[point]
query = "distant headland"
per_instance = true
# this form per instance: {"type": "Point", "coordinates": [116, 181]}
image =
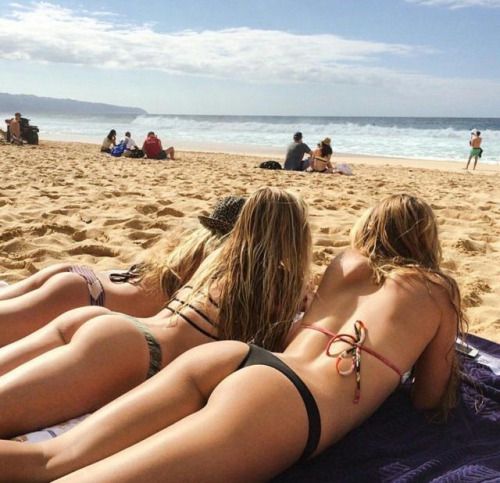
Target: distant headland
{"type": "Point", "coordinates": [48, 105]}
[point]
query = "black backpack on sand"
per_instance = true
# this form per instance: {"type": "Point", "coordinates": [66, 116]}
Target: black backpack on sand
{"type": "Point", "coordinates": [270, 165]}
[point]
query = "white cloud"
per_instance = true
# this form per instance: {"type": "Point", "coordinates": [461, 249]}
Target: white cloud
{"type": "Point", "coordinates": [45, 32]}
{"type": "Point", "coordinates": [454, 4]}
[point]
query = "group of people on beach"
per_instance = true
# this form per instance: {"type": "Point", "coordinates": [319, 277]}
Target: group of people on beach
{"type": "Point", "coordinates": [197, 362]}
{"type": "Point", "coordinates": [151, 148]}
{"type": "Point", "coordinates": [319, 160]}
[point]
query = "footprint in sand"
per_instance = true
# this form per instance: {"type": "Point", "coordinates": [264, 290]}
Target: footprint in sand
{"type": "Point", "coordinates": [171, 212]}
{"type": "Point", "coordinates": [135, 224]}
{"type": "Point", "coordinates": [147, 209]}
{"type": "Point", "coordinates": [79, 236]}
{"type": "Point", "coordinates": [468, 246]}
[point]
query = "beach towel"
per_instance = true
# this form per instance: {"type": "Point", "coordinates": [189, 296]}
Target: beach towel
{"type": "Point", "coordinates": [397, 444]}
{"type": "Point", "coordinates": [343, 168]}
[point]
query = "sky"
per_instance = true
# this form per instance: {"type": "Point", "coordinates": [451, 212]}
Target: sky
{"type": "Point", "coordinates": [259, 57]}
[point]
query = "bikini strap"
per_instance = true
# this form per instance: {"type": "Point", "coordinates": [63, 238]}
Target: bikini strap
{"type": "Point", "coordinates": [191, 323]}
{"type": "Point", "coordinates": [355, 342]}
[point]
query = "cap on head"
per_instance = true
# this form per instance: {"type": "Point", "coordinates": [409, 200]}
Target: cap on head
{"type": "Point", "coordinates": [224, 215]}
{"type": "Point", "coordinates": [327, 141]}
{"type": "Point", "coordinates": [297, 136]}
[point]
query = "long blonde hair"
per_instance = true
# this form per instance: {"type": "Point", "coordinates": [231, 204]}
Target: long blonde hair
{"type": "Point", "coordinates": [400, 235]}
{"type": "Point", "coordinates": [260, 272]}
{"type": "Point", "coordinates": [175, 260]}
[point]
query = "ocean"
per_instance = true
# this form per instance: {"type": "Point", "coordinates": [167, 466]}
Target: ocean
{"type": "Point", "coordinates": [409, 137]}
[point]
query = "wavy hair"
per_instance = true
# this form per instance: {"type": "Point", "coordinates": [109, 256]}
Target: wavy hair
{"type": "Point", "coordinates": [260, 273]}
{"type": "Point", "coordinates": [400, 235]}
{"type": "Point", "coordinates": [173, 262]}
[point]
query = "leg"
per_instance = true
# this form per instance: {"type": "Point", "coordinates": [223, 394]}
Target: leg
{"type": "Point", "coordinates": [170, 152]}
{"type": "Point", "coordinates": [23, 314]}
{"type": "Point", "coordinates": [54, 334]}
{"type": "Point", "coordinates": [33, 281]}
{"type": "Point", "coordinates": [106, 357]}
{"type": "Point", "coordinates": [253, 427]}
{"type": "Point", "coordinates": [475, 162]}
{"type": "Point", "coordinates": [175, 392]}
{"type": "Point", "coordinates": [468, 162]}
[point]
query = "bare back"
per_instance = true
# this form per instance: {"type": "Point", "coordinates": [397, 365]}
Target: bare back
{"type": "Point", "coordinates": [402, 316]}
{"type": "Point", "coordinates": [475, 142]}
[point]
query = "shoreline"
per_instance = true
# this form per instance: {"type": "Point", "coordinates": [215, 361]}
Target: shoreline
{"type": "Point", "coordinates": [349, 158]}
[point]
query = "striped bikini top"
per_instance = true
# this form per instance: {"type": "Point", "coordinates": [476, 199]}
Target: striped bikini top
{"type": "Point", "coordinates": [355, 342]}
{"type": "Point", "coordinates": [191, 322]}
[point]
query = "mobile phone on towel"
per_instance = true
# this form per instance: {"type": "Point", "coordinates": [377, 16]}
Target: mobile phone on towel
{"type": "Point", "coordinates": [466, 349]}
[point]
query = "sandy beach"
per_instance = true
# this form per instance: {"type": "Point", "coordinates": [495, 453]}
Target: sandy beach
{"type": "Point", "coordinates": [66, 201]}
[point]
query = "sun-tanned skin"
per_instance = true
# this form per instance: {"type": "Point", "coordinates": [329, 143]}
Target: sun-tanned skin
{"type": "Point", "coordinates": [251, 424]}
{"type": "Point", "coordinates": [89, 356]}
{"type": "Point", "coordinates": [30, 304]}
{"type": "Point", "coordinates": [69, 367]}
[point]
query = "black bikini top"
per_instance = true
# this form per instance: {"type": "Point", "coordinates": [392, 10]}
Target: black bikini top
{"type": "Point", "coordinates": [198, 311]}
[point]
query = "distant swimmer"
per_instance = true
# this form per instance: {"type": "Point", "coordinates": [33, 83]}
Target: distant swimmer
{"type": "Point", "coordinates": [476, 150]}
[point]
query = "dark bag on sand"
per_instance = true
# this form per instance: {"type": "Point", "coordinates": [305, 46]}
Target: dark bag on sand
{"type": "Point", "coordinates": [270, 165]}
{"type": "Point", "coordinates": [136, 153]}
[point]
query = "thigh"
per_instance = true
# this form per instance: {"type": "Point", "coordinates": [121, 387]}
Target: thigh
{"type": "Point", "coordinates": [54, 334]}
{"type": "Point", "coordinates": [182, 388]}
{"type": "Point", "coordinates": [253, 427]}
{"type": "Point", "coordinates": [33, 281]}
{"type": "Point", "coordinates": [22, 315]}
{"type": "Point", "coordinates": [106, 357]}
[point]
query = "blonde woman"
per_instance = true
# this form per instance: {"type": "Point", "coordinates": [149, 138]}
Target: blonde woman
{"type": "Point", "coordinates": [72, 367]}
{"type": "Point", "coordinates": [233, 412]}
{"type": "Point", "coordinates": [141, 291]}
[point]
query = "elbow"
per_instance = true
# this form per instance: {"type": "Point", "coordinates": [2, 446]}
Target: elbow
{"type": "Point", "coordinates": [425, 402]}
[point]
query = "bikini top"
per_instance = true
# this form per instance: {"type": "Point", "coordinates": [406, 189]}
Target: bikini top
{"type": "Point", "coordinates": [354, 352]}
{"type": "Point", "coordinates": [191, 322]}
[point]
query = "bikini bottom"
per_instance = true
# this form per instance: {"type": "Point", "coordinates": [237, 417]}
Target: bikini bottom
{"type": "Point", "coordinates": [258, 356]}
{"type": "Point", "coordinates": [96, 290]}
{"type": "Point", "coordinates": [155, 353]}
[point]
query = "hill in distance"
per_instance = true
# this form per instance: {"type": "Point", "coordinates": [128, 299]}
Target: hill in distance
{"type": "Point", "coordinates": [27, 104]}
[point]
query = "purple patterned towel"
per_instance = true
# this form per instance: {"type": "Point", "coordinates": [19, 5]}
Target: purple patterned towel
{"type": "Point", "coordinates": [397, 444]}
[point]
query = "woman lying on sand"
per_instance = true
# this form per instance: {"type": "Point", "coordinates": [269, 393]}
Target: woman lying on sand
{"type": "Point", "coordinates": [235, 412]}
{"type": "Point", "coordinates": [142, 291]}
{"type": "Point", "coordinates": [73, 366]}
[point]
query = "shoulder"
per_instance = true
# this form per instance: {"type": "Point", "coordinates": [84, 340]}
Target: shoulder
{"type": "Point", "coordinates": [348, 267]}
{"type": "Point", "coordinates": [421, 292]}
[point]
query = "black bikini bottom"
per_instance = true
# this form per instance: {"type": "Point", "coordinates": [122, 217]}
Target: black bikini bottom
{"type": "Point", "coordinates": [258, 356]}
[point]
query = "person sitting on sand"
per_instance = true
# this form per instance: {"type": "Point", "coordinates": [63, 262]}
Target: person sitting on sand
{"type": "Point", "coordinates": [476, 150]}
{"type": "Point", "coordinates": [154, 150]}
{"type": "Point", "coordinates": [231, 411]}
{"type": "Point", "coordinates": [141, 291]}
{"type": "Point", "coordinates": [320, 158]}
{"type": "Point", "coordinates": [104, 357]}
{"type": "Point", "coordinates": [109, 142]}
{"type": "Point", "coordinates": [131, 148]}
{"type": "Point", "coordinates": [15, 129]}
{"type": "Point", "coordinates": [295, 153]}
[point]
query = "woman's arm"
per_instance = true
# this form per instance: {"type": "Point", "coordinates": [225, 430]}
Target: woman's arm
{"type": "Point", "coordinates": [433, 368]}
